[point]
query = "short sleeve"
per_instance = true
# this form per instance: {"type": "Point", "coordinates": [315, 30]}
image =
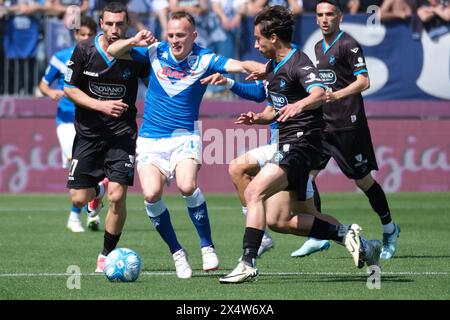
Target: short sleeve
{"type": "Point", "coordinates": [139, 54]}
{"type": "Point", "coordinates": [355, 57]}
{"type": "Point", "coordinates": [307, 74]}
{"type": "Point", "coordinates": [75, 67]}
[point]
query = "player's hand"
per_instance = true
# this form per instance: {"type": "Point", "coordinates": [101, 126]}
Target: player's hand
{"type": "Point", "coordinates": [144, 38]}
{"type": "Point", "coordinates": [289, 111]}
{"type": "Point", "coordinates": [248, 118]}
{"type": "Point", "coordinates": [113, 108]}
{"type": "Point", "coordinates": [330, 96]}
{"type": "Point", "coordinates": [56, 94]}
{"type": "Point", "coordinates": [259, 74]}
{"type": "Point", "coordinates": [215, 79]}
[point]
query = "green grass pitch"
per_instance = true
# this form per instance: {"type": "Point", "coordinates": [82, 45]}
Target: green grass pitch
{"type": "Point", "coordinates": [36, 250]}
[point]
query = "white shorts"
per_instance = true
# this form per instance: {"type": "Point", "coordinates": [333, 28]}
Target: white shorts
{"type": "Point", "coordinates": [165, 153]}
{"type": "Point", "coordinates": [265, 153]}
{"type": "Point", "coordinates": [66, 135]}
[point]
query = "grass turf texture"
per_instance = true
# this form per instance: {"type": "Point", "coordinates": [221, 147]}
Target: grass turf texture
{"type": "Point", "coordinates": [37, 249]}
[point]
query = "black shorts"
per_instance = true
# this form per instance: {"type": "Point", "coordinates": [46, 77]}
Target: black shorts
{"type": "Point", "coordinates": [94, 158]}
{"type": "Point", "coordinates": [298, 159]}
{"type": "Point", "coordinates": [352, 151]}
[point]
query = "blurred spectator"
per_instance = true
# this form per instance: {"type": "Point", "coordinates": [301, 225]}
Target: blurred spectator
{"type": "Point", "coordinates": [228, 16]}
{"type": "Point", "coordinates": [150, 15]}
{"type": "Point", "coordinates": [435, 16]}
{"type": "Point", "coordinates": [198, 9]}
{"type": "Point", "coordinates": [360, 6]}
{"type": "Point", "coordinates": [254, 6]}
{"type": "Point", "coordinates": [397, 9]}
{"type": "Point", "coordinates": [21, 36]}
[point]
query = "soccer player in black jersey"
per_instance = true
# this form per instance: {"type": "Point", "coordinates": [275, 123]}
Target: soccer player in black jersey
{"type": "Point", "coordinates": [347, 139]}
{"type": "Point", "coordinates": [104, 91]}
{"type": "Point", "coordinates": [296, 94]}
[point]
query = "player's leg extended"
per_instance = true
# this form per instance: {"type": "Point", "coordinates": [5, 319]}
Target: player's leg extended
{"type": "Point", "coordinates": [186, 176]}
{"type": "Point", "coordinates": [270, 180]}
{"type": "Point", "coordinates": [378, 201]}
{"type": "Point", "coordinates": [241, 170]}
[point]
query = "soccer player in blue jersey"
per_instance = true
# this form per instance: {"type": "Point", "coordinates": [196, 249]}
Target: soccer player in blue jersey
{"type": "Point", "coordinates": [169, 144]}
{"type": "Point", "coordinates": [65, 114]}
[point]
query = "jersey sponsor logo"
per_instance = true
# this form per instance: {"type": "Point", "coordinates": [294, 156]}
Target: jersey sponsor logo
{"type": "Point", "coordinates": [173, 75]}
{"type": "Point", "coordinates": [278, 100]}
{"type": "Point", "coordinates": [107, 90]}
{"type": "Point", "coordinates": [327, 76]}
{"type": "Point", "coordinates": [89, 73]}
{"type": "Point", "coordinates": [68, 75]}
{"type": "Point", "coordinates": [360, 63]}
{"type": "Point", "coordinates": [354, 50]}
{"type": "Point", "coordinates": [312, 77]}
{"type": "Point", "coordinates": [332, 60]}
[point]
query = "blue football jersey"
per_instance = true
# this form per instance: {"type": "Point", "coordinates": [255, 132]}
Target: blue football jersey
{"type": "Point", "coordinates": [55, 71]}
{"type": "Point", "coordinates": [174, 92]}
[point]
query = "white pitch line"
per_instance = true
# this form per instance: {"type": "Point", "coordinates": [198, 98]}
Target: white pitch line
{"type": "Point", "coordinates": [202, 274]}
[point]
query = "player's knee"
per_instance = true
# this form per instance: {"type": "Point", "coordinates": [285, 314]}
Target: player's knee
{"type": "Point", "coordinates": [152, 195]}
{"type": "Point", "coordinates": [187, 187]}
{"type": "Point", "coordinates": [365, 183]}
{"type": "Point", "coordinates": [78, 198]}
{"type": "Point", "coordinates": [275, 225]}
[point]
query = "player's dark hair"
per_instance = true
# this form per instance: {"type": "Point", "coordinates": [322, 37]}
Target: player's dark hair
{"type": "Point", "coordinates": [276, 20]}
{"type": "Point", "coordinates": [178, 15]}
{"type": "Point", "coordinates": [115, 7]}
{"type": "Point", "coordinates": [89, 23]}
{"type": "Point", "coordinates": [335, 3]}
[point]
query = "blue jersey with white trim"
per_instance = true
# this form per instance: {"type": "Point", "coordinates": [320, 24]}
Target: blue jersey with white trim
{"type": "Point", "coordinates": [339, 62]}
{"type": "Point", "coordinates": [174, 92]}
{"type": "Point", "coordinates": [56, 70]}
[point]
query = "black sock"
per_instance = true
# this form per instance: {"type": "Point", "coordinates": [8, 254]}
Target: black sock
{"type": "Point", "coordinates": [326, 231]}
{"type": "Point", "coordinates": [110, 242]}
{"type": "Point", "coordinates": [97, 190]}
{"type": "Point", "coordinates": [378, 201]}
{"type": "Point", "coordinates": [251, 243]}
{"type": "Point", "coordinates": [317, 202]}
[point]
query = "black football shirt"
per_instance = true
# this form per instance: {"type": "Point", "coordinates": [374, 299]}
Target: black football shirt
{"type": "Point", "coordinates": [288, 82]}
{"type": "Point", "coordinates": [91, 71]}
{"type": "Point", "coordinates": [339, 63]}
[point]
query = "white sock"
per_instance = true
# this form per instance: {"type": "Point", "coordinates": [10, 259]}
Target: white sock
{"type": "Point", "coordinates": [244, 211]}
{"type": "Point", "coordinates": [389, 228]}
{"type": "Point", "coordinates": [74, 216]}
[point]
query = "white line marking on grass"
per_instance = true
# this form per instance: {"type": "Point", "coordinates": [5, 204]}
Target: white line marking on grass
{"type": "Point", "coordinates": [200, 274]}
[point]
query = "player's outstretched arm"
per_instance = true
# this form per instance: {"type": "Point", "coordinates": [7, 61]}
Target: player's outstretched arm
{"type": "Point", "coordinates": [251, 91]}
{"type": "Point", "coordinates": [361, 83]}
{"type": "Point", "coordinates": [250, 118]}
{"type": "Point", "coordinates": [248, 66]}
{"type": "Point", "coordinates": [143, 38]}
{"type": "Point", "coordinates": [112, 108]}
{"type": "Point", "coordinates": [315, 99]}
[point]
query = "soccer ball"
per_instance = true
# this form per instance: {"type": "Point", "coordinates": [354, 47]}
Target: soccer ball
{"type": "Point", "coordinates": [123, 265]}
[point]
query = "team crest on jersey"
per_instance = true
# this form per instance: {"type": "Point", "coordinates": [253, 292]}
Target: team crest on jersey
{"type": "Point", "coordinates": [191, 61]}
{"type": "Point", "coordinates": [126, 74]}
{"type": "Point", "coordinates": [332, 60]}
